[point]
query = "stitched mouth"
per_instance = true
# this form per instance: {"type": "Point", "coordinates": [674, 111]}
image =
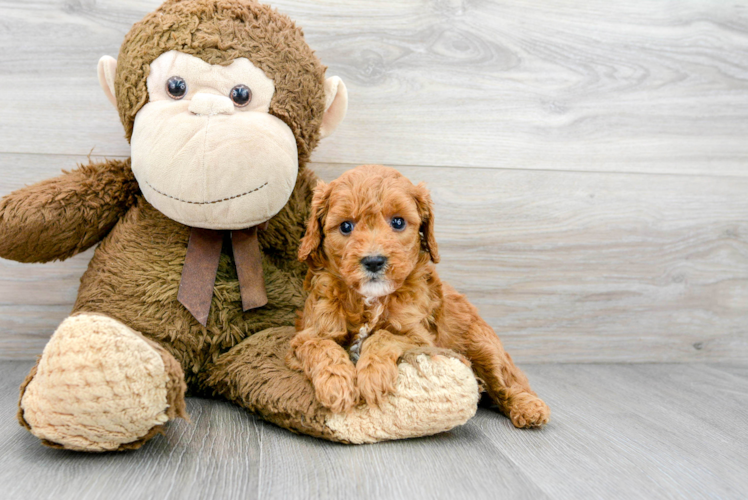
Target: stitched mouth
{"type": "Point", "coordinates": [207, 202]}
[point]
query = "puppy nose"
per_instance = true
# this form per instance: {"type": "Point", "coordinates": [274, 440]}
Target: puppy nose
{"type": "Point", "coordinates": [374, 263]}
{"type": "Point", "coordinates": [210, 104]}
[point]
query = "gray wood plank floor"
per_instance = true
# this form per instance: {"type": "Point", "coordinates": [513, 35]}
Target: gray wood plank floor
{"type": "Point", "coordinates": [618, 431]}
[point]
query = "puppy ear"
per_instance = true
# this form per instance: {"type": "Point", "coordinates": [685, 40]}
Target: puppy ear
{"type": "Point", "coordinates": [311, 243]}
{"type": "Point", "coordinates": [426, 211]}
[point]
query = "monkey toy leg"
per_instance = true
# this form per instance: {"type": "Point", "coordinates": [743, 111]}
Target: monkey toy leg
{"type": "Point", "coordinates": [433, 393]}
{"type": "Point", "coordinates": [100, 386]}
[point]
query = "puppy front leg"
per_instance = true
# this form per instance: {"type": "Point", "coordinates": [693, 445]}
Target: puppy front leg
{"type": "Point", "coordinates": [376, 370]}
{"type": "Point", "coordinates": [505, 383]}
{"type": "Point", "coordinates": [329, 368]}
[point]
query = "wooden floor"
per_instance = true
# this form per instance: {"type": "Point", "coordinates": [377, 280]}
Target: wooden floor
{"type": "Point", "coordinates": [617, 431]}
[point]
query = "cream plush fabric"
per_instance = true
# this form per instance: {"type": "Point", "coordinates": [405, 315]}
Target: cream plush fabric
{"type": "Point", "coordinates": [201, 160]}
{"type": "Point", "coordinates": [437, 395]}
{"type": "Point", "coordinates": [336, 105]}
{"type": "Point", "coordinates": [98, 385]}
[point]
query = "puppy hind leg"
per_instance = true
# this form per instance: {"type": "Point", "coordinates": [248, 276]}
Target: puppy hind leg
{"type": "Point", "coordinates": [506, 384]}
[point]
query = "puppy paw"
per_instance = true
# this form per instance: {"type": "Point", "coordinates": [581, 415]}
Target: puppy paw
{"type": "Point", "coordinates": [529, 411]}
{"type": "Point", "coordinates": [335, 387]}
{"type": "Point", "coordinates": [292, 361]}
{"type": "Point", "coordinates": [376, 380]}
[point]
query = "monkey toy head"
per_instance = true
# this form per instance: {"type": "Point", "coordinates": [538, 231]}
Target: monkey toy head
{"type": "Point", "coordinates": [222, 102]}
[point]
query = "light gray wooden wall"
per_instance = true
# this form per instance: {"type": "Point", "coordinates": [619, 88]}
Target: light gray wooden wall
{"type": "Point", "coordinates": [589, 160]}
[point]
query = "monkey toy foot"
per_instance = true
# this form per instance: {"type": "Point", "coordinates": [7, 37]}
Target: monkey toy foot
{"type": "Point", "coordinates": [100, 386]}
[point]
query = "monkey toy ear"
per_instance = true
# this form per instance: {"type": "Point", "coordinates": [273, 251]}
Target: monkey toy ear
{"type": "Point", "coordinates": [336, 105]}
{"type": "Point", "coordinates": [107, 71]}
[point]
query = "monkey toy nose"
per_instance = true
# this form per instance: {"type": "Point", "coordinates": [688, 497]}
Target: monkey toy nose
{"type": "Point", "coordinates": [374, 263]}
{"type": "Point", "coordinates": [209, 104]}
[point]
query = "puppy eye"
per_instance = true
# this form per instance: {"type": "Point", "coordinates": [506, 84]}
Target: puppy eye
{"type": "Point", "coordinates": [241, 95]}
{"type": "Point", "coordinates": [397, 223]}
{"type": "Point", "coordinates": [176, 87]}
{"type": "Point", "coordinates": [346, 227]}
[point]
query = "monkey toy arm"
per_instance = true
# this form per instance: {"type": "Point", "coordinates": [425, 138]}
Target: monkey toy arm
{"type": "Point", "coordinates": [60, 217]}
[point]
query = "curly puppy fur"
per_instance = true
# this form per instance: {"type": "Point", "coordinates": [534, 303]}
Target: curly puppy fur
{"type": "Point", "coordinates": [388, 311]}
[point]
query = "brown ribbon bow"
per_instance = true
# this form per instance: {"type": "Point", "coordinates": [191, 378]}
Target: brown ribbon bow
{"type": "Point", "coordinates": [201, 266]}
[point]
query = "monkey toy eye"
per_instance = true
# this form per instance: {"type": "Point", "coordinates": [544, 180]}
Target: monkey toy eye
{"type": "Point", "coordinates": [176, 87]}
{"type": "Point", "coordinates": [346, 227]}
{"type": "Point", "coordinates": [241, 95]}
{"type": "Point", "coordinates": [397, 223]}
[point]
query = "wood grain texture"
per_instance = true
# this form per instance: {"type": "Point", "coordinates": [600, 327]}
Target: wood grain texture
{"type": "Point", "coordinates": [565, 266]}
{"type": "Point", "coordinates": [608, 252]}
{"type": "Point", "coordinates": [635, 431]}
{"type": "Point", "coordinates": [593, 86]}
{"type": "Point", "coordinates": [617, 432]}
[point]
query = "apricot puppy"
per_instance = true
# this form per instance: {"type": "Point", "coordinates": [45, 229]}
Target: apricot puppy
{"type": "Point", "coordinates": [374, 294]}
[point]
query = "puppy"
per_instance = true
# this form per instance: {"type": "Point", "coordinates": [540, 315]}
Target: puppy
{"type": "Point", "coordinates": [374, 294]}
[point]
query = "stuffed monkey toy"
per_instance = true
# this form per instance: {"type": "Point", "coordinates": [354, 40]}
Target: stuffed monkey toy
{"type": "Point", "coordinates": [195, 283]}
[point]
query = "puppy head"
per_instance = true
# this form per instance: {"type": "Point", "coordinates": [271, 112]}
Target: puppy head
{"type": "Point", "coordinates": [370, 227]}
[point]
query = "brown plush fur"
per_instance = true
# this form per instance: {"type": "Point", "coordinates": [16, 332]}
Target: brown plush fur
{"type": "Point", "coordinates": [58, 218]}
{"type": "Point", "coordinates": [254, 375]}
{"type": "Point", "coordinates": [135, 272]}
{"type": "Point", "coordinates": [417, 309]}
{"type": "Point", "coordinates": [219, 31]}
